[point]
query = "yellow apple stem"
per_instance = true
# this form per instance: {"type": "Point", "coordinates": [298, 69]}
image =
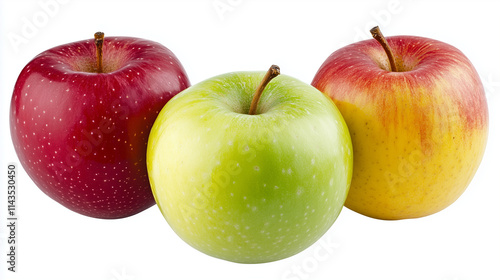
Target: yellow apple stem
{"type": "Point", "coordinates": [273, 72]}
{"type": "Point", "coordinates": [99, 40]}
{"type": "Point", "coordinates": [377, 34]}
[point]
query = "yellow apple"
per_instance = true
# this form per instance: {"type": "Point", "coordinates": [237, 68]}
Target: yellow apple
{"type": "Point", "coordinates": [418, 122]}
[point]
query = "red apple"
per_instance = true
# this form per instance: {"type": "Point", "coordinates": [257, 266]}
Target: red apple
{"type": "Point", "coordinates": [418, 118]}
{"type": "Point", "coordinates": [80, 118]}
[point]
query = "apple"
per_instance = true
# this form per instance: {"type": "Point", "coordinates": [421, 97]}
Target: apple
{"type": "Point", "coordinates": [250, 178]}
{"type": "Point", "coordinates": [418, 119]}
{"type": "Point", "coordinates": [80, 117]}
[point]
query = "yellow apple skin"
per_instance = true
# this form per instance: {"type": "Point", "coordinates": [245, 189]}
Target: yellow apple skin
{"type": "Point", "coordinates": [418, 135]}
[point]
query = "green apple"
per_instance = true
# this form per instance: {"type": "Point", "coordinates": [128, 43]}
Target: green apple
{"type": "Point", "coordinates": [250, 188]}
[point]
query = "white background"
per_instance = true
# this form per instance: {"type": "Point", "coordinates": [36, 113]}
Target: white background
{"type": "Point", "coordinates": [461, 242]}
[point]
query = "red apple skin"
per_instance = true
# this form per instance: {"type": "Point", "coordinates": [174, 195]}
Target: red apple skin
{"type": "Point", "coordinates": [418, 134]}
{"type": "Point", "coordinates": [81, 136]}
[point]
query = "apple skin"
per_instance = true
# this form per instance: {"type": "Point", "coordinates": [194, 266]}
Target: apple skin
{"type": "Point", "coordinates": [81, 136]}
{"type": "Point", "coordinates": [419, 134]}
{"type": "Point", "coordinates": [250, 188]}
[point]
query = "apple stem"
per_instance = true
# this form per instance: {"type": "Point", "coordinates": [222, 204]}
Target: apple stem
{"type": "Point", "coordinates": [99, 40]}
{"type": "Point", "coordinates": [377, 34]}
{"type": "Point", "coordinates": [272, 73]}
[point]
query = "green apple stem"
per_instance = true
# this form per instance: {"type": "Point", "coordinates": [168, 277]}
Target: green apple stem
{"type": "Point", "coordinates": [272, 73]}
{"type": "Point", "coordinates": [377, 34]}
{"type": "Point", "coordinates": [99, 40]}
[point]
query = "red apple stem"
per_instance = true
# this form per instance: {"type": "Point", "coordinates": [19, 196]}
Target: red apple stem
{"type": "Point", "coordinates": [99, 40]}
{"type": "Point", "coordinates": [272, 73]}
{"type": "Point", "coordinates": [377, 34]}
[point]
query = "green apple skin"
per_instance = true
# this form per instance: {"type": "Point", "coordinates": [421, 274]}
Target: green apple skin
{"type": "Point", "coordinates": [250, 188]}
